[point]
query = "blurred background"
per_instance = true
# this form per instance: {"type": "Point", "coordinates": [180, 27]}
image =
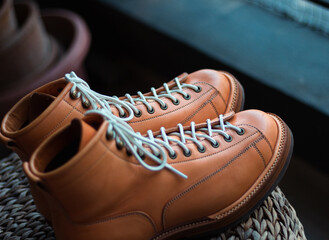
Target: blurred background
{"type": "Point", "coordinates": [278, 50]}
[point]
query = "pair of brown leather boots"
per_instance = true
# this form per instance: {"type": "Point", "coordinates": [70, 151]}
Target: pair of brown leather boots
{"type": "Point", "coordinates": [182, 160]}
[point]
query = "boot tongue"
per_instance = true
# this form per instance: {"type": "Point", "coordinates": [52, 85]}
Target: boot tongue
{"type": "Point", "coordinates": [38, 103]}
{"type": "Point", "coordinates": [87, 132]}
{"type": "Point", "coordinates": [228, 116]}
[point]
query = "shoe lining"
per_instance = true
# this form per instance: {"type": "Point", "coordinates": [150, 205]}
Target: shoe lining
{"type": "Point", "coordinates": [38, 103]}
{"type": "Point", "coordinates": [63, 156]}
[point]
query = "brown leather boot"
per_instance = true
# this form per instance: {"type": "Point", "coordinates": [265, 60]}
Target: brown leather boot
{"type": "Point", "coordinates": [104, 181]}
{"type": "Point", "coordinates": [194, 97]}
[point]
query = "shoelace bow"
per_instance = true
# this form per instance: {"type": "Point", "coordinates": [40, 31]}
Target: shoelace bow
{"type": "Point", "coordinates": [153, 146]}
{"type": "Point", "coordinates": [92, 97]}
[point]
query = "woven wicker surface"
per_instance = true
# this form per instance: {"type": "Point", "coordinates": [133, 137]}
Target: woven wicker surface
{"type": "Point", "coordinates": [19, 219]}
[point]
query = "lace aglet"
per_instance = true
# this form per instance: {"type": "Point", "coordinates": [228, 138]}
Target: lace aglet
{"type": "Point", "coordinates": [176, 171]}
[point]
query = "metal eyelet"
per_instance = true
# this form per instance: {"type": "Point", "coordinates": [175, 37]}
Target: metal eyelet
{"type": "Point", "coordinates": [199, 89]}
{"type": "Point", "coordinates": [74, 94]}
{"type": "Point", "coordinates": [164, 107]}
{"type": "Point", "coordinates": [229, 139]}
{"type": "Point", "coordinates": [172, 156]}
{"type": "Point", "coordinates": [150, 111]}
{"type": "Point", "coordinates": [202, 150]}
{"type": "Point", "coordinates": [128, 152]}
{"type": "Point", "coordinates": [187, 97]}
{"type": "Point", "coordinates": [119, 145]}
{"type": "Point", "coordinates": [86, 104]}
{"type": "Point", "coordinates": [215, 145]}
{"type": "Point", "coordinates": [123, 115]}
{"type": "Point", "coordinates": [109, 135]}
{"type": "Point", "coordinates": [176, 102]}
{"type": "Point", "coordinates": [138, 114]}
{"type": "Point", "coordinates": [241, 132]}
{"type": "Point", "coordinates": [188, 153]}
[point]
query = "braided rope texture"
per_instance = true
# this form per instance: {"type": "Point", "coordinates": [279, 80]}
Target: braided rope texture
{"type": "Point", "coordinates": [19, 219]}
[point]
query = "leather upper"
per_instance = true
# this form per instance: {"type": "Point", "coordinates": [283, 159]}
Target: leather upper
{"type": "Point", "coordinates": [24, 140]}
{"type": "Point", "coordinates": [42, 112]}
{"type": "Point", "coordinates": [103, 193]}
{"type": "Point", "coordinates": [220, 93]}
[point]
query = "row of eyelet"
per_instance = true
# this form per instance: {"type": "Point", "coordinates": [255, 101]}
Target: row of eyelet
{"type": "Point", "coordinates": [165, 106]}
{"type": "Point", "coordinates": [120, 145]}
{"type": "Point", "coordinates": [186, 154]}
{"type": "Point", "coordinates": [214, 145]}
{"type": "Point", "coordinates": [87, 104]}
{"type": "Point", "coordinates": [74, 95]}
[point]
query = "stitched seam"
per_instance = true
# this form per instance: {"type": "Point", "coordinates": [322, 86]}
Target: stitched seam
{"type": "Point", "coordinates": [235, 93]}
{"type": "Point", "coordinates": [125, 214]}
{"type": "Point", "coordinates": [260, 154]}
{"type": "Point", "coordinates": [199, 109]}
{"type": "Point", "coordinates": [195, 223]}
{"type": "Point", "coordinates": [74, 106]}
{"type": "Point", "coordinates": [212, 104]}
{"type": "Point", "coordinates": [95, 162]}
{"type": "Point", "coordinates": [205, 179]}
{"type": "Point", "coordinates": [194, 159]}
{"type": "Point", "coordinates": [217, 152]}
{"type": "Point", "coordinates": [108, 219]}
{"type": "Point", "coordinates": [277, 158]}
{"type": "Point", "coordinates": [59, 123]}
{"type": "Point", "coordinates": [220, 95]}
{"type": "Point", "coordinates": [60, 203]}
{"type": "Point", "coordinates": [182, 227]}
{"type": "Point", "coordinates": [267, 141]}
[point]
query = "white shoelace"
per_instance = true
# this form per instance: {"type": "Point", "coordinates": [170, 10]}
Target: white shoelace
{"type": "Point", "coordinates": [122, 133]}
{"type": "Point", "coordinates": [99, 100]}
{"type": "Point", "coordinates": [96, 100]}
{"type": "Point", "coordinates": [194, 135]}
{"type": "Point", "coordinates": [166, 93]}
{"type": "Point", "coordinates": [154, 147]}
{"type": "Point", "coordinates": [135, 143]}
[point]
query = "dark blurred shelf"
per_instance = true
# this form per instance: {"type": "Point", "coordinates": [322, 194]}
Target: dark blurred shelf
{"type": "Point", "coordinates": [274, 50]}
{"type": "Point", "coordinates": [324, 3]}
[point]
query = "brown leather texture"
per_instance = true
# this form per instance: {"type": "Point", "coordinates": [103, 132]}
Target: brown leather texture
{"type": "Point", "coordinates": [24, 140]}
{"type": "Point", "coordinates": [220, 93]}
{"type": "Point", "coordinates": [100, 192]}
